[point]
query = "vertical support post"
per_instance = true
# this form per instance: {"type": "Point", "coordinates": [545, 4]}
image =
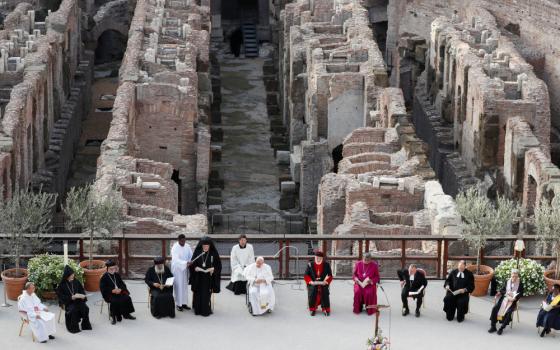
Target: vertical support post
{"type": "Point", "coordinates": [288, 259]}
{"type": "Point", "coordinates": [120, 257]}
{"type": "Point", "coordinates": [481, 256]}
{"type": "Point", "coordinates": [360, 246]}
{"type": "Point", "coordinates": [280, 258]}
{"type": "Point", "coordinates": [163, 249]}
{"type": "Point", "coordinates": [403, 253]}
{"type": "Point", "coordinates": [126, 255]}
{"type": "Point", "coordinates": [81, 249]}
{"type": "Point", "coordinates": [445, 256]}
{"type": "Point", "coordinates": [324, 246]}
{"type": "Point", "coordinates": [438, 272]}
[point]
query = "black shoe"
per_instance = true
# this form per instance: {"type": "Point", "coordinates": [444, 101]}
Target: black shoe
{"type": "Point", "coordinates": [312, 313]}
{"type": "Point", "coordinates": [51, 337]}
{"type": "Point", "coordinates": [43, 342]}
{"type": "Point", "coordinates": [172, 316]}
{"type": "Point", "coordinates": [113, 320]}
{"type": "Point", "coordinates": [460, 319]}
{"type": "Point", "coordinates": [492, 329]}
{"type": "Point", "coordinates": [180, 308]}
{"type": "Point", "coordinates": [129, 317]}
{"type": "Point", "coordinates": [500, 331]}
{"type": "Point", "coordinates": [119, 318]}
{"type": "Point", "coordinates": [405, 312]}
{"type": "Point", "coordinates": [185, 307]}
{"type": "Point", "coordinates": [158, 317]}
{"type": "Point", "coordinates": [543, 333]}
{"type": "Point", "coordinates": [327, 313]}
{"type": "Point", "coordinates": [417, 313]}
{"type": "Point", "coordinates": [547, 331]}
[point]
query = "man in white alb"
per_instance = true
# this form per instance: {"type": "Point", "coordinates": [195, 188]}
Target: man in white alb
{"type": "Point", "coordinates": [242, 255]}
{"type": "Point", "coordinates": [181, 255]}
{"type": "Point", "coordinates": [261, 294]}
{"type": "Point", "coordinates": [40, 319]}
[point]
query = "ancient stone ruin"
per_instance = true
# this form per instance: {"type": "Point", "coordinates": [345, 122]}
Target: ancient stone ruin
{"type": "Point", "coordinates": [344, 117]}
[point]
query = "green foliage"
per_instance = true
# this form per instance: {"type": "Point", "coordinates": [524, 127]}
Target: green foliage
{"type": "Point", "coordinates": [25, 218]}
{"type": "Point", "coordinates": [547, 224]}
{"type": "Point", "coordinates": [96, 215]}
{"type": "Point", "coordinates": [482, 218]}
{"type": "Point", "coordinates": [531, 274]}
{"type": "Point", "coordinates": [46, 271]}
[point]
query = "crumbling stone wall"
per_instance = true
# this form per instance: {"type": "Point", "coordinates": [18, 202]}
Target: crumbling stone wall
{"type": "Point", "coordinates": [46, 80]}
{"type": "Point", "coordinates": [160, 120]}
{"type": "Point", "coordinates": [331, 71]}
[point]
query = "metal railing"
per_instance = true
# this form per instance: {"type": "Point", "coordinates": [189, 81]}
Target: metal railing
{"type": "Point", "coordinates": [263, 223]}
{"type": "Point", "coordinates": [286, 260]}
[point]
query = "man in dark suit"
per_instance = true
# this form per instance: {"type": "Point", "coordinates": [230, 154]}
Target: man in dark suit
{"type": "Point", "coordinates": [413, 283]}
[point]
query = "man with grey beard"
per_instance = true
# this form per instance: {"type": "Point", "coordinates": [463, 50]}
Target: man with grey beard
{"type": "Point", "coordinates": [158, 280]}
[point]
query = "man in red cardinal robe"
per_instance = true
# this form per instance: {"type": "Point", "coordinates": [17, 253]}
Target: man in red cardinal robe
{"type": "Point", "coordinates": [318, 277]}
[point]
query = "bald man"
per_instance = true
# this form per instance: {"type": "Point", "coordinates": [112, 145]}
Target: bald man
{"type": "Point", "coordinates": [261, 294]}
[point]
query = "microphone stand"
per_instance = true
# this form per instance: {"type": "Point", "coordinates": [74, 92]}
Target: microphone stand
{"type": "Point", "coordinates": [298, 283]}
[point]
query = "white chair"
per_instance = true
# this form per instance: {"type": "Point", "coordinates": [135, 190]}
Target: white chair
{"type": "Point", "coordinates": [24, 322]}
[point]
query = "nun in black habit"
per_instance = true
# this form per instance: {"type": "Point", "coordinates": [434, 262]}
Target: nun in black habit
{"type": "Point", "coordinates": [114, 291]}
{"type": "Point", "coordinates": [205, 275]}
{"type": "Point", "coordinates": [71, 295]}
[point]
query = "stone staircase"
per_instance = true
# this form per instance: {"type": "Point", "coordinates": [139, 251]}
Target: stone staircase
{"type": "Point", "coordinates": [250, 41]}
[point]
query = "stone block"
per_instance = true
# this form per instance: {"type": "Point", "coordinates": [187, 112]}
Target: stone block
{"type": "Point", "coordinates": [288, 187]}
{"type": "Point", "coordinates": [283, 157]}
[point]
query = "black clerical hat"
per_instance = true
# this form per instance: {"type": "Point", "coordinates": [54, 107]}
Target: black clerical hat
{"type": "Point", "coordinates": [110, 263]}
{"type": "Point", "coordinates": [159, 260]}
{"type": "Point", "coordinates": [319, 253]}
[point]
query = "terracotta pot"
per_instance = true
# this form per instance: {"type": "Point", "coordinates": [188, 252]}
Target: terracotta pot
{"type": "Point", "coordinates": [49, 295]}
{"type": "Point", "coordinates": [14, 285]}
{"type": "Point", "coordinates": [482, 281]}
{"type": "Point", "coordinates": [549, 279]}
{"type": "Point", "coordinates": [93, 276]}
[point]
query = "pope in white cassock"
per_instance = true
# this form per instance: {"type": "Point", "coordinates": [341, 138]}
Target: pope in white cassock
{"type": "Point", "coordinates": [242, 255]}
{"type": "Point", "coordinates": [261, 294]}
{"type": "Point", "coordinates": [181, 255]}
{"type": "Point", "coordinates": [41, 321]}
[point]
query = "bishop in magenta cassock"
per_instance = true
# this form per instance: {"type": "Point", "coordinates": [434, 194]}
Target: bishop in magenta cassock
{"type": "Point", "coordinates": [318, 277]}
{"type": "Point", "coordinates": [366, 278]}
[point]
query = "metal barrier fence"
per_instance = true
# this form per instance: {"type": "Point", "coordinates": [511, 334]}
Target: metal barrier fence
{"type": "Point", "coordinates": [286, 261]}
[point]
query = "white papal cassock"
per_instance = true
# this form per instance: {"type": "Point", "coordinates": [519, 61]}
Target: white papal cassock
{"type": "Point", "coordinates": [240, 258]}
{"type": "Point", "coordinates": [261, 296]}
{"type": "Point", "coordinates": [32, 306]}
{"type": "Point", "coordinates": [180, 257]}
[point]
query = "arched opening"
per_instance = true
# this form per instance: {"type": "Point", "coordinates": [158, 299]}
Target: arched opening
{"type": "Point", "coordinates": [337, 157]}
{"type": "Point", "coordinates": [111, 46]}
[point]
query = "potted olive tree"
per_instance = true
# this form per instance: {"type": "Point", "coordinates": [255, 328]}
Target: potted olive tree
{"type": "Point", "coordinates": [481, 219]}
{"type": "Point", "coordinates": [547, 226]}
{"type": "Point", "coordinates": [24, 220]}
{"type": "Point", "coordinates": [98, 216]}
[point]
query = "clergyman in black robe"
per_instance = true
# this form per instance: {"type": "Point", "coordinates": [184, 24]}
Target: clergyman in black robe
{"type": "Point", "coordinates": [205, 274]}
{"type": "Point", "coordinates": [162, 303]}
{"type": "Point", "coordinates": [114, 291]}
{"type": "Point", "coordinates": [71, 295]}
{"type": "Point", "coordinates": [508, 297]}
{"type": "Point", "coordinates": [318, 276]}
{"type": "Point", "coordinates": [460, 281]}
{"type": "Point", "coordinates": [413, 281]}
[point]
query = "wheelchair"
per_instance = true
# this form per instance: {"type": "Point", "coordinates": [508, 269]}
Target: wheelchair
{"type": "Point", "coordinates": [249, 305]}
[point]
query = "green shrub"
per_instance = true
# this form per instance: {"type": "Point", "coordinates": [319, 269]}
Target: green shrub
{"type": "Point", "coordinates": [46, 271]}
{"type": "Point", "coordinates": [531, 274]}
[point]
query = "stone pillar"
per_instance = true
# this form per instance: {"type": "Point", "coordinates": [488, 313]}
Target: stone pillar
{"type": "Point", "coordinates": [216, 11]}
{"type": "Point", "coordinates": [316, 161]}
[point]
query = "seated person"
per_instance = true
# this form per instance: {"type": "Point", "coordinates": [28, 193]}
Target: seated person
{"type": "Point", "coordinates": [162, 303]}
{"type": "Point", "coordinates": [508, 296]}
{"type": "Point", "coordinates": [114, 291]}
{"type": "Point", "coordinates": [242, 255]}
{"type": "Point", "coordinates": [413, 283]}
{"type": "Point", "coordinates": [458, 284]}
{"type": "Point", "coordinates": [261, 294]}
{"type": "Point", "coordinates": [318, 276]}
{"type": "Point", "coordinates": [366, 278]}
{"type": "Point", "coordinates": [549, 315]}
{"type": "Point", "coordinates": [71, 294]}
{"type": "Point", "coordinates": [41, 321]}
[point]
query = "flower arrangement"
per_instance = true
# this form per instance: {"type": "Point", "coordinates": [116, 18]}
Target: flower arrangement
{"type": "Point", "coordinates": [46, 272]}
{"type": "Point", "coordinates": [531, 274]}
{"type": "Point", "coordinates": [379, 342]}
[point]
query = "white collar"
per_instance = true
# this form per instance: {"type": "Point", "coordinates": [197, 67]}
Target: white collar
{"type": "Point", "coordinates": [461, 274]}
